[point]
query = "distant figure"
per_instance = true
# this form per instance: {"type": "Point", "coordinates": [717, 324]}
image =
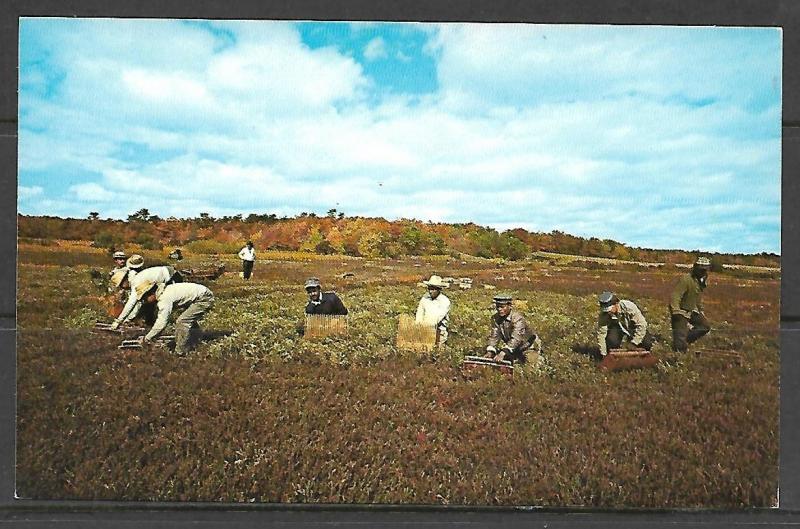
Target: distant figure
{"type": "Point", "coordinates": [119, 262]}
{"type": "Point", "coordinates": [320, 302]}
{"type": "Point", "coordinates": [176, 254]}
{"type": "Point", "coordinates": [509, 326]}
{"type": "Point", "coordinates": [248, 256]}
{"type": "Point", "coordinates": [621, 325]}
{"type": "Point", "coordinates": [434, 308]}
{"type": "Point", "coordinates": [157, 275]}
{"type": "Point", "coordinates": [195, 299]}
{"type": "Point", "coordinates": [689, 323]}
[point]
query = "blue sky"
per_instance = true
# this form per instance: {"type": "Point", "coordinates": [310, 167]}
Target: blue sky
{"type": "Point", "coordinates": [662, 137]}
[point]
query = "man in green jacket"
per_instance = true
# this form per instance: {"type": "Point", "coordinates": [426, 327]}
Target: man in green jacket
{"type": "Point", "coordinates": [689, 323]}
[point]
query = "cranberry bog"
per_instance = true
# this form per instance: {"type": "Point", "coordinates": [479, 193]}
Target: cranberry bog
{"type": "Point", "coordinates": [262, 415]}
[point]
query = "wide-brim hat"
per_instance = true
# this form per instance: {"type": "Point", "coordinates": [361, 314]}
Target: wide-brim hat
{"type": "Point", "coordinates": [312, 282]}
{"type": "Point", "coordinates": [436, 282]}
{"type": "Point", "coordinates": [143, 288]}
{"type": "Point", "coordinates": [135, 262]}
{"type": "Point", "coordinates": [118, 277]}
{"type": "Point", "coordinates": [703, 262]}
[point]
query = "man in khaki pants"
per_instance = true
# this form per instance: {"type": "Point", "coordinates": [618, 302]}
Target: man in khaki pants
{"type": "Point", "coordinates": [195, 299]}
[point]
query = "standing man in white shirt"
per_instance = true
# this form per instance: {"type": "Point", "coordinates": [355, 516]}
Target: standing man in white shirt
{"type": "Point", "coordinates": [248, 256]}
{"type": "Point", "coordinates": [195, 300]}
{"type": "Point", "coordinates": [434, 308]}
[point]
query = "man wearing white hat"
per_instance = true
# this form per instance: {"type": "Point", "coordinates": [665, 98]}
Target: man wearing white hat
{"type": "Point", "coordinates": [434, 308]}
{"type": "Point", "coordinates": [195, 300]}
{"type": "Point", "coordinates": [689, 323]}
{"type": "Point", "coordinates": [134, 278]}
{"type": "Point", "coordinates": [119, 262]}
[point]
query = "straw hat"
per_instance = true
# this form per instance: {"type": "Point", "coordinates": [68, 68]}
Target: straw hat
{"type": "Point", "coordinates": [118, 277]}
{"type": "Point", "coordinates": [143, 288]}
{"type": "Point", "coordinates": [436, 282]}
{"type": "Point", "coordinates": [135, 262]}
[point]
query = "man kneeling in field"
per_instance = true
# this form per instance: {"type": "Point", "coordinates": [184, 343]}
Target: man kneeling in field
{"type": "Point", "coordinates": [621, 324]}
{"type": "Point", "coordinates": [510, 327]}
{"type": "Point", "coordinates": [195, 299]}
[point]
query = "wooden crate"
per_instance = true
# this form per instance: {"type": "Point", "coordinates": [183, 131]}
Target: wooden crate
{"type": "Point", "coordinates": [413, 336]}
{"type": "Point", "coordinates": [723, 355]}
{"type": "Point", "coordinates": [322, 325]}
{"type": "Point", "coordinates": [473, 366]}
{"type": "Point", "coordinates": [620, 359]}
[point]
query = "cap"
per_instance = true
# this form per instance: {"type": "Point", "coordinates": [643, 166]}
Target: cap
{"type": "Point", "coordinates": [703, 262]}
{"type": "Point", "coordinates": [607, 300]}
{"type": "Point", "coordinates": [312, 282]}
{"type": "Point", "coordinates": [135, 262]}
{"type": "Point", "coordinates": [502, 299]}
{"type": "Point", "coordinates": [120, 255]}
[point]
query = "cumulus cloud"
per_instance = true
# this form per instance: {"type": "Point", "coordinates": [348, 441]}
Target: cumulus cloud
{"type": "Point", "coordinates": [650, 136]}
{"type": "Point", "coordinates": [375, 49]}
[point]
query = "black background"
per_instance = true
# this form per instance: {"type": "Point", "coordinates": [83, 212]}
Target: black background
{"type": "Point", "coordinates": [28, 513]}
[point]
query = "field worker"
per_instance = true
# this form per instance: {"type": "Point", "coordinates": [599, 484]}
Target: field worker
{"type": "Point", "coordinates": [621, 324]}
{"type": "Point", "coordinates": [165, 275]}
{"type": "Point", "coordinates": [195, 300]}
{"type": "Point", "coordinates": [689, 323]}
{"type": "Point", "coordinates": [248, 256]}
{"type": "Point", "coordinates": [510, 327]}
{"type": "Point", "coordinates": [434, 308]}
{"type": "Point", "coordinates": [119, 262]}
{"type": "Point", "coordinates": [320, 302]}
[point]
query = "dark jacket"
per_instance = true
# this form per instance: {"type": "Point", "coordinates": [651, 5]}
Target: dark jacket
{"type": "Point", "coordinates": [513, 330]}
{"type": "Point", "coordinates": [687, 296]}
{"type": "Point", "coordinates": [329, 304]}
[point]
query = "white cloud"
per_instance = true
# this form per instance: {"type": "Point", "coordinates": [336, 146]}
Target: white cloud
{"type": "Point", "coordinates": [28, 192]}
{"type": "Point", "coordinates": [534, 126]}
{"type": "Point", "coordinates": [92, 192]}
{"type": "Point", "coordinates": [375, 49]}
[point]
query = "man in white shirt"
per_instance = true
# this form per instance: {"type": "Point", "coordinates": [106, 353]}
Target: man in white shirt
{"type": "Point", "coordinates": [434, 308]}
{"type": "Point", "coordinates": [248, 256]}
{"type": "Point", "coordinates": [154, 274]}
{"type": "Point", "coordinates": [195, 300]}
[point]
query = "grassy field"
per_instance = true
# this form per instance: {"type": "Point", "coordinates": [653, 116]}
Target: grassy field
{"type": "Point", "coordinates": [265, 416]}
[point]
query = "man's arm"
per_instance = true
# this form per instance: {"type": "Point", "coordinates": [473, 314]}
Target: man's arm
{"type": "Point", "coordinates": [339, 306]}
{"type": "Point", "coordinates": [164, 310]}
{"type": "Point", "coordinates": [126, 310]}
{"type": "Point", "coordinates": [494, 336]}
{"type": "Point", "coordinates": [420, 311]}
{"type": "Point", "coordinates": [640, 324]}
{"type": "Point", "coordinates": [677, 296]}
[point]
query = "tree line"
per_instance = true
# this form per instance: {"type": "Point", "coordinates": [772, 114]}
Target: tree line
{"type": "Point", "coordinates": [335, 233]}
